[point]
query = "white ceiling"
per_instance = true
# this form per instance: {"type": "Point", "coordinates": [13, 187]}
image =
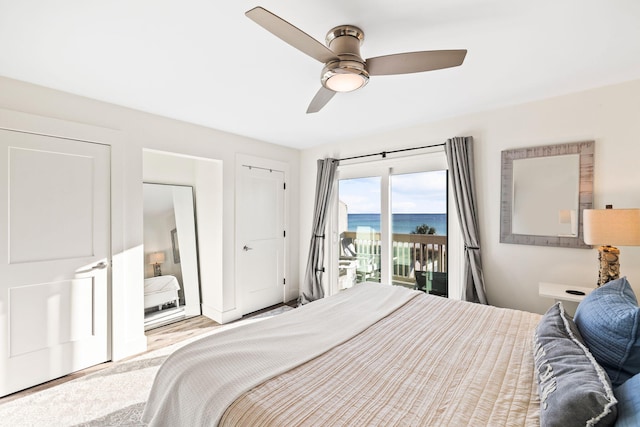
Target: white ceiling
{"type": "Point", "coordinates": [203, 61]}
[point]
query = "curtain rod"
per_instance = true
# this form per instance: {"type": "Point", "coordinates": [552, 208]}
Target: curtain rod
{"type": "Point", "coordinates": [384, 153]}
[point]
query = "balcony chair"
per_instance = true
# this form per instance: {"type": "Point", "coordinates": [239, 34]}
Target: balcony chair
{"type": "Point", "coordinates": [432, 282]}
{"type": "Point", "coordinates": [365, 267]}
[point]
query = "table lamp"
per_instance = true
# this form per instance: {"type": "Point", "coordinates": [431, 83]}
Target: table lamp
{"type": "Point", "coordinates": [608, 227]}
{"type": "Point", "coordinates": [156, 259]}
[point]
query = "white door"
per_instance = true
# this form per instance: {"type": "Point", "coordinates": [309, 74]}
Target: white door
{"type": "Point", "coordinates": [260, 238]}
{"type": "Point", "coordinates": [54, 257]}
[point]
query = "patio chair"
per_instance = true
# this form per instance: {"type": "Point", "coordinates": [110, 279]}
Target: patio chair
{"type": "Point", "coordinates": [432, 282]}
{"type": "Point", "coordinates": [365, 267]}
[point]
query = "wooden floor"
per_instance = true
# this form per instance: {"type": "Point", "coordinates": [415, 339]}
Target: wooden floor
{"type": "Point", "coordinates": [179, 331]}
{"type": "Point", "coordinates": [156, 338]}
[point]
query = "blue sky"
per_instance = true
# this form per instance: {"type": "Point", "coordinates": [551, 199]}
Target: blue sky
{"type": "Point", "coordinates": [423, 192]}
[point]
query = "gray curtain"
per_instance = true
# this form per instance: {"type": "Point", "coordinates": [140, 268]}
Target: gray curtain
{"type": "Point", "coordinates": [311, 288]}
{"type": "Point", "coordinates": [459, 152]}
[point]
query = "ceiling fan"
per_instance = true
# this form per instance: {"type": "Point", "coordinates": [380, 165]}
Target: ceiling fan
{"type": "Point", "coordinates": [344, 69]}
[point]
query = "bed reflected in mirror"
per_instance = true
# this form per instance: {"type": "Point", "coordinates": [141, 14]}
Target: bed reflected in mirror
{"type": "Point", "coordinates": [171, 284]}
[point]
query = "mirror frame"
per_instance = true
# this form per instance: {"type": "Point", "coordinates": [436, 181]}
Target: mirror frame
{"type": "Point", "coordinates": [586, 151]}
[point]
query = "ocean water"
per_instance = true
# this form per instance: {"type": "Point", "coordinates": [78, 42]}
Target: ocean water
{"type": "Point", "coordinates": [402, 223]}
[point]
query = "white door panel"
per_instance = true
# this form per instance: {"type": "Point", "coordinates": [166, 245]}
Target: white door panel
{"type": "Point", "coordinates": [45, 304]}
{"type": "Point", "coordinates": [44, 212]}
{"type": "Point", "coordinates": [260, 238]}
{"type": "Point", "coordinates": [54, 216]}
{"type": "Point", "coordinates": [263, 256]}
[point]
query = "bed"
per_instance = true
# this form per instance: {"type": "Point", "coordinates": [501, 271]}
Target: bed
{"type": "Point", "coordinates": [161, 290]}
{"type": "Point", "coordinates": [382, 355]}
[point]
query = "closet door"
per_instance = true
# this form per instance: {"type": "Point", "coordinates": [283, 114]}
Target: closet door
{"type": "Point", "coordinates": [54, 257]}
{"type": "Point", "coordinates": [260, 238]}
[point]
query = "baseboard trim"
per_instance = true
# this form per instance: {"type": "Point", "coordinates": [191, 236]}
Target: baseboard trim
{"type": "Point", "coordinates": [129, 348]}
{"type": "Point", "coordinates": [221, 317]}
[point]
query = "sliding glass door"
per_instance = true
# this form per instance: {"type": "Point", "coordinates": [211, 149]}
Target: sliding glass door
{"type": "Point", "coordinates": [359, 229]}
{"type": "Point", "coordinates": [392, 225]}
{"type": "Point", "coordinates": [419, 229]}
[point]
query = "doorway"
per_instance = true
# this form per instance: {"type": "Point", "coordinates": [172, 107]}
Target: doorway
{"type": "Point", "coordinates": [391, 224]}
{"type": "Point", "coordinates": [171, 274]}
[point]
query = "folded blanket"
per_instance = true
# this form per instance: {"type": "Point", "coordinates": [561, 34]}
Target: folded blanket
{"type": "Point", "coordinates": [197, 383]}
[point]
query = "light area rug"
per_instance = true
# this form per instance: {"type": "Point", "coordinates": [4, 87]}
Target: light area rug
{"type": "Point", "coordinates": [114, 396]}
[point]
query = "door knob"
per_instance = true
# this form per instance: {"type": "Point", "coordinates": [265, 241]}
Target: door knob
{"type": "Point", "coordinates": [246, 248]}
{"type": "Point", "coordinates": [99, 266]}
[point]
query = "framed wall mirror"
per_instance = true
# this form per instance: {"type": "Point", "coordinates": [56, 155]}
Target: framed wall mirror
{"type": "Point", "coordinates": [544, 191]}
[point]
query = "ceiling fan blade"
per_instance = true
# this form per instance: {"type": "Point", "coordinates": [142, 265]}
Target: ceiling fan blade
{"type": "Point", "coordinates": [290, 34]}
{"type": "Point", "coordinates": [414, 62]}
{"type": "Point", "coordinates": [323, 96]}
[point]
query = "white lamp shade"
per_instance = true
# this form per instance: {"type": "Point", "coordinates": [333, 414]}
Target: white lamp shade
{"type": "Point", "coordinates": [564, 216]}
{"type": "Point", "coordinates": [156, 258]}
{"type": "Point", "coordinates": [345, 82]}
{"type": "Point", "coordinates": [615, 227]}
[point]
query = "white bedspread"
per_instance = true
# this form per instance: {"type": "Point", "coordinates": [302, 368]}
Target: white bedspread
{"type": "Point", "coordinates": [187, 392]}
{"type": "Point", "coordinates": [432, 362]}
{"type": "Point", "coordinates": [160, 284]}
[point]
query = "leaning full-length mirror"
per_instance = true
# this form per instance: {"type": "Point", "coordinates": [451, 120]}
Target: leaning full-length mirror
{"type": "Point", "coordinates": [171, 283]}
{"type": "Point", "coordinates": [544, 191]}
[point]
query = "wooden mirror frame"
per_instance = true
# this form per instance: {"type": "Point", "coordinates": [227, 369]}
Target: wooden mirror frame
{"type": "Point", "coordinates": [585, 197]}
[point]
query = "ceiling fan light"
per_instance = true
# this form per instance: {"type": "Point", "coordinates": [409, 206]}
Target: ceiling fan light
{"type": "Point", "coordinates": [345, 82]}
{"type": "Point", "coordinates": [344, 75]}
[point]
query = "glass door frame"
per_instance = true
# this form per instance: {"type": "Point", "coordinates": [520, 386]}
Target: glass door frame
{"type": "Point", "coordinates": [385, 168]}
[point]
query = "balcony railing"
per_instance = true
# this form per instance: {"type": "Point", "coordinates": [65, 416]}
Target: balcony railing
{"type": "Point", "coordinates": [422, 252]}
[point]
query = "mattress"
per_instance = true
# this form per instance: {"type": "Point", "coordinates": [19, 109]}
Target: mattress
{"type": "Point", "coordinates": [160, 284]}
{"type": "Point", "coordinates": [160, 290]}
{"type": "Point", "coordinates": [428, 361]}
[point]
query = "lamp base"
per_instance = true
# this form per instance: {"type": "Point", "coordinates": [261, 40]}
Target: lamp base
{"type": "Point", "coordinates": [156, 270]}
{"type": "Point", "coordinates": [609, 261]}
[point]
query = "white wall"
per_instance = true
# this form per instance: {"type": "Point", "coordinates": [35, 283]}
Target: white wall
{"type": "Point", "coordinates": [608, 115]}
{"type": "Point", "coordinates": [145, 131]}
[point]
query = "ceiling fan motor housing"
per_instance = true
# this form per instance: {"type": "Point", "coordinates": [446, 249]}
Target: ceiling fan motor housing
{"type": "Point", "coordinates": [348, 72]}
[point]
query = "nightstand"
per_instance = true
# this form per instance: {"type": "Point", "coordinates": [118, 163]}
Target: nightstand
{"type": "Point", "coordinates": [569, 295]}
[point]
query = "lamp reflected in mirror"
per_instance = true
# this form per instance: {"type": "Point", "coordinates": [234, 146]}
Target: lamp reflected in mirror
{"type": "Point", "coordinates": [569, 217]}
{"type": "Point", "coordinates": [156, 259]}
{"type": "Point", "coordinates": [609, 227]}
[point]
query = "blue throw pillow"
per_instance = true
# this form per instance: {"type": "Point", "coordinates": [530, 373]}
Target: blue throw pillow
{"type": "Point", "coordinates": [628, 395]}
{"type": "Point", "coordinates": [574, 390]}
{"type": "Point", "coordinates": [608, 319]}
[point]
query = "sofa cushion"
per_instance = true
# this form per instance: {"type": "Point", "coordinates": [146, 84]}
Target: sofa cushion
{"type": "Point", "coordinates": [608, 319]}
{"type": "Point", "coordinates": [574, 390]}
